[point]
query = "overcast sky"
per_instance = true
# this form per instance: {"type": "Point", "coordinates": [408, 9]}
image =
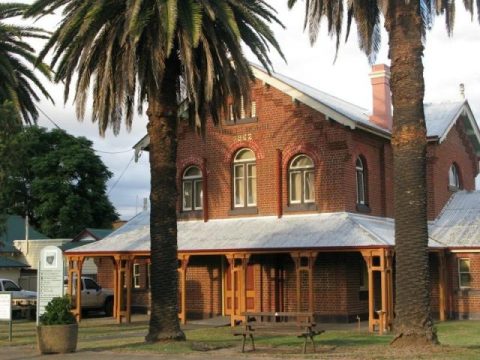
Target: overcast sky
{"type": "Point", "coordinates": [448, 62]}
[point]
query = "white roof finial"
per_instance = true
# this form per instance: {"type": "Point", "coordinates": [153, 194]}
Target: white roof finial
{"type": "Point", "coordinates": [462, 90]}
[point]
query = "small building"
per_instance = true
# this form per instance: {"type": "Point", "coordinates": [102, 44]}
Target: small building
{"type": "Point", "coordinates": [13, 264]}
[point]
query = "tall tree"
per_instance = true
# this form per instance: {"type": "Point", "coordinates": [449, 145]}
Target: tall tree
{"type": "Point", "coordinates": [55, 178]}
{"type": "Point", "coordinates": [11, 124]}
{"type": "Point", "coordinates": [163, 52]}
{"type": "Point", "coordinates": [18, 82]}
{"type": "Point", "coordinates": [406, 22]}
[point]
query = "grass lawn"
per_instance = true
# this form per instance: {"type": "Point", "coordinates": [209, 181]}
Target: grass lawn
{"type": "Point", "coordinates": [460, 340]}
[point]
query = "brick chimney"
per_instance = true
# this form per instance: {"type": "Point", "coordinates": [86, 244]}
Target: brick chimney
{"type": "Point", "coordinates": [382, 99]}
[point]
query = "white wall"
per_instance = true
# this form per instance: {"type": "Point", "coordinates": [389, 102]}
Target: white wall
{"type": "Point", "coordinates": [31, 249]}
{"type": "Point", "coordinates": [11, 274]}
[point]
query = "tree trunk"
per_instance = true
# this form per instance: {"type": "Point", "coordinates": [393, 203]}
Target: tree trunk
{"type": "Point", "coordinates": [162, 129]}
{"type": "Point", "coordinates": [413, 324]}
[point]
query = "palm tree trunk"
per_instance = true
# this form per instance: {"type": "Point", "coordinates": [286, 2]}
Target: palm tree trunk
{"type": "Point", "coordinates": [162, 129]}
{"type": "Point", "coordinates": [413, 323]}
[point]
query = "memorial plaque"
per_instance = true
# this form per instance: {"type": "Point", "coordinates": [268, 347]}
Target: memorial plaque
{"type": "Point", "coordinates": [50, 277]}
{"type": "Point", "coordinates": [5, 307]}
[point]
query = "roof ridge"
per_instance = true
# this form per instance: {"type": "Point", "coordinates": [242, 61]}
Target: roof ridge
{"type": "Point", "coordinates": [272, 73]}
{"type": "Point", "coordinates": [366, 230]}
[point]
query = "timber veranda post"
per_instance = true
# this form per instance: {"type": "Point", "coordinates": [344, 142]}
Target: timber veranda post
{"type": "Point", "coordinates": [78, 288]}
{"type": "Point", "coordinates": [371, 296]}
{"type": "Point", "coordinates": [182, 269]}
{"type": "Point", "coordinates": [442, 285]}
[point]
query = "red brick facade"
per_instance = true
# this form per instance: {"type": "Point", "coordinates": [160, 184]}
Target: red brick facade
{"type": "Point", "coordinates": [282, 129]}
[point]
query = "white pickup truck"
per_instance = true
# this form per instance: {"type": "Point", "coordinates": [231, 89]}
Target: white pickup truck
{"type": "Point", "coordinates": [94, 297]}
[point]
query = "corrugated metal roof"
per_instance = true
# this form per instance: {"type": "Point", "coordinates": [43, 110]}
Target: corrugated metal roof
{"type": "Point", "coordinates": [11, 263]}
{"type": "Point", "coordinates": [459, 223]}
{"type": "Point", "coordinates": [267, 232]}
{"type": "Point", "coordinates": [439, 116]}
{"type": "Point", "coordinates": [457, 226]}
{"type": "Point", "coordinates": [15, 230]}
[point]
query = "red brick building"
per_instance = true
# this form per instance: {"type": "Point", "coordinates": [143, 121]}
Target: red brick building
{"type": "Point", "coordinates": [290, 207]}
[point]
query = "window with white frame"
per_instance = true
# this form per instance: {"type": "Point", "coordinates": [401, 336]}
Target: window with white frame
{"type": "Point", "coordinates": [192, 185]}
{"type": "Point", "coordinates": [453, 178]}
{"type": "Point", "coordinates": [361, 176]}
{"type": "Point", "coordinates": [244, 179]}
{"type": "Point", "coordinates": [464, 275]}
{"type": "Point", "coordinates": [136, 275]}
{"type": "Point", "coordinates": [301, 180]}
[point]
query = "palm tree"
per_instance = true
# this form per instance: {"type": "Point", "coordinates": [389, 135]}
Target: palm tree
{"type": "Point", "coordinates": [163, 52]}
{"type": "Point", "coordinates": [16, 78]}
{"type": "Point", "coordinates": [406, 23]}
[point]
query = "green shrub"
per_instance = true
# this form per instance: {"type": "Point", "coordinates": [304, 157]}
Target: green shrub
{"type": "Point", "coordinates": [57, 312]}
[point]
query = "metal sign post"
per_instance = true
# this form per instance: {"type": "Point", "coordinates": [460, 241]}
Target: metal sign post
{"type": "Point", "coordinates": [6, 312]}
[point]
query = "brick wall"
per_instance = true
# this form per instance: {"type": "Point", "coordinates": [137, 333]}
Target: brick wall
{"type": "Point", "coordinates": [204, 287]}
{"type": "Point", "coordinates": [457, 149]}
{"type": "Point", "coordinates": [465, 302]}
{"type": "Point", "coordinates": [294, 128]}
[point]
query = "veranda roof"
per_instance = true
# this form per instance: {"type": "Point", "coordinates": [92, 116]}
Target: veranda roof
{"type": "Point", "coordinates": [266, 233]}
{"type": "Point", "coordinates": [459, 223]}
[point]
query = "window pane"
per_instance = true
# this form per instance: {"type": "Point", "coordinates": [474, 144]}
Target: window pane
{"type": "Point", "coordinates": [295, 187]}
{"type": "Point", "coordinates": [309, 187]}
{"type": "Point", "coordinates": [90, 285]}
{"type": "Point", "coordinates": [252, 184]}
{"type": "Point", "coordinates": [193, 172]}
{"type": "Point", "coordinates": [465, 280]}
{"type": "Point", "coordinates": [302, 161]}
{"type": "Point", "coordinates": [198, 194]}
{"type": "Point", "coordinates": [239, 192]}
{"type": "Point", "coordinates": [464, 265]}
{"type": "Point", "coordinates": [187, 195]}
{"type": "Point", "coordinates": [453, 176]}
{"type": "Point", "coordinates": [359, 164]}
{"type": "Point", "coordinates": [239, 184]}
{"type": "Point", "coordinates": [245, 154]}
{"type": "Point", "coordinates": [360, 188]}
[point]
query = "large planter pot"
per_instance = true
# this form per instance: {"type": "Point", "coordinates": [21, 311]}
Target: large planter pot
{"type": "Point", "coordinates": [54, 339]}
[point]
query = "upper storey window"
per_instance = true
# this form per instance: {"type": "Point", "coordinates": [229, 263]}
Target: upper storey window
{"type": "Point", "coordinates": [248, 113]}
{"type": "Point", "coordinates": [361, 173]}
{"type": "Point", "coordinates": [453, 177]}
{"type": "Point", "coordinates": [301, 177]}
{"type": "Point", "coordinates": [192, 189]}
{"type": "Point", "coordinates": [244, 179]}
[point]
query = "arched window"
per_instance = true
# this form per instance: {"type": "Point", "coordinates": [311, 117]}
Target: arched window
{"type": "Point", "coordinates": [244, 179]}
{"type": "Point", "coordinates": [192, 189]}
{"type": "Point", "coordinates": [301, 177]}
{"type": "Point", "coordinates": [453, 177]}
{"type": "Point", "coordinates": [361, 172]}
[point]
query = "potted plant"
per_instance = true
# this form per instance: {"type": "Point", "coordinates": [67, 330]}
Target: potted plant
{"type": "Point", "coordinates": [58, 329]}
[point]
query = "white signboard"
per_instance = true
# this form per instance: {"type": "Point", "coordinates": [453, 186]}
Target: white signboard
{"type": "Point", "coordinates": [50, 277]}
{"type": "Point", "coordinates": [6, 307]}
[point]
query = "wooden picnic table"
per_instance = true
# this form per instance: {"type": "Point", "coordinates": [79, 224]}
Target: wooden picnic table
{"type": "Point", "coordinates": [300, 324]}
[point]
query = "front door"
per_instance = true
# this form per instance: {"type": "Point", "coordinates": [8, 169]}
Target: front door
{"type": "Point", "coordinates": [232, 294]}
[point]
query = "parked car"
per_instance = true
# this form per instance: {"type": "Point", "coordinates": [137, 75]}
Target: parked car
{"type": "Point", "coordinates": [94, 297]}
{"type": "Point", "coordinates": [24, 302]}
{"type": "Point", "coordinates": [20, 297]}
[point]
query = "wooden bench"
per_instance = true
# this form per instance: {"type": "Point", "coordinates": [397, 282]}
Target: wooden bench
{"type": "Point", "coordinates": [300, 324]}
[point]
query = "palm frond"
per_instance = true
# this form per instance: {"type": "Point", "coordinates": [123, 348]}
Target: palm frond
{"type": "Point", "coordinates": [20, 84]}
